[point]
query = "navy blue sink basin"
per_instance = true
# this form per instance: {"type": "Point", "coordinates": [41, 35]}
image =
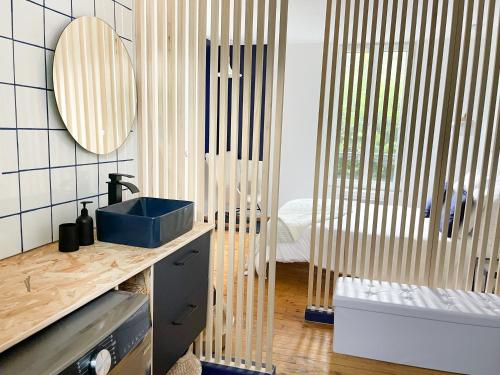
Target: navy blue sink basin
{"type": "Point", "coordinates": [144, 222]}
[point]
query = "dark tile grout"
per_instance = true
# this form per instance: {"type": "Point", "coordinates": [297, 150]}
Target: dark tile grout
{"type": "Point", "coordinates": [17, 129]}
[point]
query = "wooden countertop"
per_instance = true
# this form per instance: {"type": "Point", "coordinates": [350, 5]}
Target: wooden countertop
{"type": "Point", "coordinates": [43, 285]}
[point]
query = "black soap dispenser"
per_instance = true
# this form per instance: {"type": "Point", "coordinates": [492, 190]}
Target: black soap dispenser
{"type": "Point", "coordinates": [85, 226]}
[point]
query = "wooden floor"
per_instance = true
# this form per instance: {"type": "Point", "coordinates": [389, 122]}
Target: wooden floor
{"type": "Point", "coordinates": [306, 348]}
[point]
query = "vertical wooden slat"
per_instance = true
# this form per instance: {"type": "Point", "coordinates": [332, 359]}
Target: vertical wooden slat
{"type": "Point", "coordinates": [280, 88]}
{"type": "Point", "coordinates": [406, 257]}
{"type": "Point", "coordinates": [221, 176]}
{"type": "Point", "coordinates": [345, 33]}
{"type": "Point", "coordinates": [364, 141]}
{"type": "Point", "coordinates": [354, 148]}
{"type": "Point", "coordinates": [192, 22]}
{"type": "Point", "coordinates": [214, 57]}
{"type": "Point", "coordinates": [153, 95]}
{"type": "Point", "coordinates": [163, 99]}
{"type": "Point", "coordinates": [442, 151]}
{"type": "Point", "coordinates": [334, 250]}
{"type": "Point", "coordinates": [377, 92]}
{"type": "Point", "coordinates": [381, 149]}
{"type": "Point", "coordinates": [450, 176]}
{"type": "Point", "coordinates": [268, 101]}
{"type": "Point", "coordinates": [254, 163]}
{"type": "Point", "coordinates": [330, 249]}
{"type": "Point", "coordinates": [249, 15]}
{"type": "Point", "coordinates": [319, 138]}
{"type": "Point", "coordinates": [142, 133]}
{"type": "Point", "coordinates": [172, 98]}
{"type": "Point", "coordinates": [201, 95]}
{"type": "Point", "coordinates": [393, 121]}
{"type": "Point", "coordinates": [181, 99]}
{"type": "Point", "coordinates": [495, 253]}
{"type": "Point", "coordinates": [455, 274]}
{"type": "Point", "coordinates": [419, 274]}
{"type": "Point", "coordinates": [324, 192]}
{"type": "Point", "coordinates": [201, 41]}
{"type": "Point", "coordinates": [465, 259]}
{"type": "Point", "coordinates": [421, 138]}
{"type": "Point", "coordinates": [347, 132]}
{"type": "Point", "coordinates": [401, 147]}
{"type": "Point", "coordinates": [478, 284]}
{"type": "Point", "coordinates": [235, 106]}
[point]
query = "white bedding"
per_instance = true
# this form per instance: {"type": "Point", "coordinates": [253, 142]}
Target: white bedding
{"type": "Point", "coordinates": [294, 244]}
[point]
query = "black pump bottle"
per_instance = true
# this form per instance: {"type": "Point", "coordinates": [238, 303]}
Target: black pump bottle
{"type": "Point", "coordinates": [85, 226]}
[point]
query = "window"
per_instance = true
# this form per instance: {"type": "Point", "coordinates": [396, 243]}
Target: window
{"type": "Point", "coordinates": [379, 100]}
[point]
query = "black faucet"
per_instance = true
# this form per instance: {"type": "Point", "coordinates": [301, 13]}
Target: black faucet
{"type": "Point", "coordinates": [115, 187]}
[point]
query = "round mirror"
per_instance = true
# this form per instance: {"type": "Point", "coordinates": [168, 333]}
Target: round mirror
{"type": "Point", "coordinates": [94, 85]}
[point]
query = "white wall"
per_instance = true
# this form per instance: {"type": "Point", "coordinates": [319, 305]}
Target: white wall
{"type": "Point", "coordinates": [300, 118]}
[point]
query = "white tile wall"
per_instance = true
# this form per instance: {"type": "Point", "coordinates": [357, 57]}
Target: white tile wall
{"type": "Point", "coordinates": [7, 107]}
{"type": "Point", "coordinates": [35, 189]}
{"type": "Point", "coordinates": [6, 66]}
{"type": "Point", "coordinates": [37, 230]}
{"type": "Point", "coordinates": [31, 108]}
{"type": "Point", "coordinates": [87, 178]}
{"type": "Point", "coordinates": [10, 236]}
{"type": "Point", "coordinates": [33, 149]}
{"type": "Point", "coordinates": [5, 25]}
{"type": "Point", "coordinates": [28, 13]}
{"type": "Point", "coordinates": [44, 174]}
{"type": "Point", "coordinates": [63, 6]}
{"type": "Point", "coordinates": [63, 184]}
{"type": "Point", "coordinates": [30, 65]}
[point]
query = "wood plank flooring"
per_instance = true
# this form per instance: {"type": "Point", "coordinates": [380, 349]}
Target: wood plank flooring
{"type": "Point", "coordinates": [306, 348]}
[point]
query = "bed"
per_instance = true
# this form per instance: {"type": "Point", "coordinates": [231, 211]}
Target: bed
{"type": "Point", "coordinates": [295, 225]}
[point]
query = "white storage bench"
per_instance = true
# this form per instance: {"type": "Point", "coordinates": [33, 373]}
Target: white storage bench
{"type": "Point", "coordinates": [440, 329]}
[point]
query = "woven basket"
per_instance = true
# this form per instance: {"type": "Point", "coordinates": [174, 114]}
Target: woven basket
{"type": "Point", "coordinates": [189, 364]}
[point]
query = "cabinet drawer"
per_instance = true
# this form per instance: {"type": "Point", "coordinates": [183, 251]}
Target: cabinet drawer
{"type": "Point", "coordinates": [182, 272]}
{"type": "Point", "coordinates": [176, 327]}
{"type": "Point", "coordinates": [179, 302]}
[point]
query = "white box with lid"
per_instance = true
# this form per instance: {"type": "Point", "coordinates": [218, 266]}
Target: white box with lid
{"type": "Point", "coordinates": [441, 329]}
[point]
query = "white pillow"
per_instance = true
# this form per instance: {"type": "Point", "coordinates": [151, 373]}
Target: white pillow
{"type": "Point", "coordinates": [475, 197]}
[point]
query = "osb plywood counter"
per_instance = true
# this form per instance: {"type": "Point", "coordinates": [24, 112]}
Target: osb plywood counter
{"type": "Point", "coordinates": [43, 285]}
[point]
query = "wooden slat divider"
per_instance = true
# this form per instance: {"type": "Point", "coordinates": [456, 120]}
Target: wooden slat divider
{"type": "Point", "coordinates": [364, 141]}
{"type": "Point", "coordinates": [280, 89]}
{"type": "Point", "coordinates": [444, 136]}
{"type": "Point", "coordinates": [235, 101]}
{"type": "Point", "coordinates": [490, 173]}
{"type": "Point", "coordinates": [265, 186]}
{"type": "Point", "coordinates": [425, 126]}
{"type": "Point", "coordinates": [374, 121]}
{"type": "Point", "coordinates": [181, 99]}
{"type": "Point", "coordinates": [254, 186]}
{"type": "Point", "coordinates": [444, 266]}
{"type": "Point", "coordinates": [385, 106]}
{"type": "Point", "coordinates": [319, 138]}
{"type": "Point", "coordinates": [245, 147]}
{"type": "Point", "coordinates": [337, 247]}
{"type": "Point", "coordinates": [467, 259]}
{"type": "Point", "coordinates": [394, 273]}
{"type": "Point", "coordinates": [347, 131]}
{"type": "Point", "coordinates": [221, 174]}
{"type": "Point", "coordinates": [354, 149]}
{"type": "Point", "coordinates": [407, 256]}
{"type": "Point", "coordinates": [212, 187]}
{"type": "Point", "coordinates": [323, 210]}
{"type": "Point", "coordinates": [452, 280]}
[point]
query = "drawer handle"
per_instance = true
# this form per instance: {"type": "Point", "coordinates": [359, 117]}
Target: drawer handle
{"type": "Point", "coordinates": [187, 258]}
{"type": "Point", "coordinates": [186, 314]}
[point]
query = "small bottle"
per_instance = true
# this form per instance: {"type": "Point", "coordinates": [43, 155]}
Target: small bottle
{"type": "Point", "coordinates": [85, 226]}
